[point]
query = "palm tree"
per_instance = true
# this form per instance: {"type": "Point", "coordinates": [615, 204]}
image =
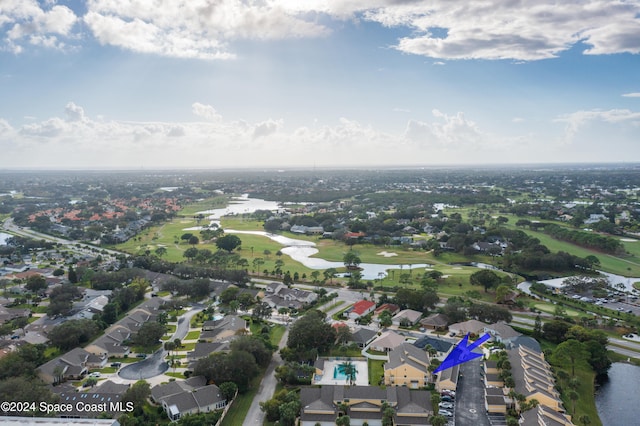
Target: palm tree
{"type": "Point", "coordinates": [585, 420]}
{"type": "Point", "coordinates": [349, 370]}
{"type": "Point", "coordinates": [574, 396]}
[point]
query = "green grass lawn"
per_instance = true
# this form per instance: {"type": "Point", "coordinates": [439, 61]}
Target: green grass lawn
{"type": "Point", "coordinates": [192, 335]}
{"type": "Point", "coordinates": [376, 371]}
{"type": "Point", "coordinates": [238, 411]}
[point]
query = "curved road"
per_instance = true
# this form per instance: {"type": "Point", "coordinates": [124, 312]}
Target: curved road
{"type": "Point", "coordinates": [155, 364]}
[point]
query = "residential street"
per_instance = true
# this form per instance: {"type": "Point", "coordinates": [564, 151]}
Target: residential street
{"type": "Point", "coordinates": [255, 416]}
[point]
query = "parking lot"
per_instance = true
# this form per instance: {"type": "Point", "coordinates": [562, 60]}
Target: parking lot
{"type": "Point", "coordinates": [469, 407]}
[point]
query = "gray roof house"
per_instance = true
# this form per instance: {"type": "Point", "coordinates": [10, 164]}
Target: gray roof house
{"type": "Point", "coordinates": [321, 405]}
{"type": "Point", "coordinates": [188, 397]}
{"type": "Point", "coordinates": [72, 365]}
{"type": "Point", "coordinates": [224, 329]}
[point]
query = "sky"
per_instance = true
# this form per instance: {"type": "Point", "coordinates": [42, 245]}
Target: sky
{"type": "Point", "coordinates": [157, 84]}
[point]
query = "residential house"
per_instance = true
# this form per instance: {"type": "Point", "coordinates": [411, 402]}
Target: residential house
{"type": "Point", "coordinates": [392, 308]}
{"type": "Point", "coordinates": [224, 329]}
{"type": "Point", "coordinates": [280, 296]}
{"type": "Point", "coordinates": [363, 336]}
{"type": "Point", "coordinates": [407, 317]}
{"type": "Point", "coordinates": [502, 332]}
{"type": "Point", "coordinates": [435, 322]}
{"type": "Point", "coordinates": [387, 341]}
{"type": "Point", "coordinates": [360, 309]}
{"type": "Point", "coordinates": [108, 393]}
{"type": "Point", "coordinates": [471, 326]}
{"type": "Point", "coordinates": [442, 347]}
{"type": "Point", "coordinates": [543, 416]}
{"type": "Point", "coordinates": [73, 365]}
{"type": "Point", "coordinates": [204, 349]}
{"type": "Point", "coordinates": [189, 396]}
{"type": "Point", "coordinates": [112, 343]}
{"type": "Point", "coordinates": [533, 377]}
{"type": "Point", "coordinates": [322, 405]}
{"type": "Point", "coordinates": [495, 400]}
{"type": "Point", "coordinates": [448, 378]}
{"type": "Point", "coordinates": [407, 366]}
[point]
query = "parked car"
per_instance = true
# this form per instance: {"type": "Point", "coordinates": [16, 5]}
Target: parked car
{"type": "Point", "coordinates": [445, 413]}
{"type": "Point", "coordinates": [95, 374]}
{"type": "Point", "coordinates": [446, 405]}
{"type": "Point", "coordinates": [116, 364]}
{"type": "Point", "coordinates": [141, 355]}
{"type": "Point", "coordinates": [446, 398]}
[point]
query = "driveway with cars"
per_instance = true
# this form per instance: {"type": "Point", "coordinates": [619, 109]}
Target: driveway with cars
{"type": "Point", "coordinates": [469, 406]}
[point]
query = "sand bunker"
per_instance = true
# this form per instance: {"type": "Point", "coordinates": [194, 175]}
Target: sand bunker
{"type": "Point", "coordinates": [387, 254]}
{"type": "Point", "coordinates": [628, 240]}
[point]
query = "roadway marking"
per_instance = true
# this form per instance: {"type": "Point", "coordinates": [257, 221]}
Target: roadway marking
{"type": "Point", "coordinates": [472, 410]}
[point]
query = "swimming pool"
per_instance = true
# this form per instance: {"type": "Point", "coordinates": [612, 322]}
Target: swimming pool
{"type": "Point", "coordinates": [339, 374]}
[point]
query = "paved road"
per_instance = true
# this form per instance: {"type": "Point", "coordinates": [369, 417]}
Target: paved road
{"type": "Point", "coordinates": [155, 364]}
{"type": "Point", "coordinates": [469, 407]}
{"type": "Point", "coordinates": [629, 349]}
{"type": "Point", "coordinates": [255, 416]}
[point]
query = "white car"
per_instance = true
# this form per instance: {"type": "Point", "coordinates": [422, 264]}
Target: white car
{"type": "Point", "coordinates": [96, 374]}
{"type": "Point", "coordinates": [446, 405]}
{"type": "Point", "coordinates": [445, 413]}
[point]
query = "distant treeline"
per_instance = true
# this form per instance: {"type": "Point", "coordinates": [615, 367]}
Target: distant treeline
{"type": "Point", "coordinates": [584, 239]}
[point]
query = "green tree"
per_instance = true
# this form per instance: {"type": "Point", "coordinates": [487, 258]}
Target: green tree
{"type": "Point", "coordinates": [310, 333]}
{"type": "Point", "coordinates": [228, 242]}
{"type": "Point", "coordinates": [385, 318]}
{"type": "Point", "coordinates": [438, 420]}
{"type": "Point", "coordinates": [571, 352]}
{"type": "Point", "coordinates": [351, 260]}
{"type": "Point", "coordinates": [72, 275]}
{"type": "Point", "coordinates": [435, 400]}
{"type": "Point", "coordinates": [573, 396]}
{"type": "Point", "coordinates": [35, 283]}
{"type": "Point", "coordinates": [137, 394]}
{"type": "Point", "coordinates": [486, 278]}
{"type": "Point", "coordinates": [149, 333]}
{"type": "Point", "coordinates": [228, 390]}
{"type": "Point", "coordinates": [585, 420]}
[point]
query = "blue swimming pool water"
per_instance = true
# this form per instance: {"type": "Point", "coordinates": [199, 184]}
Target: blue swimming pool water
{"type": "Point", "coordinates": [338, 373]}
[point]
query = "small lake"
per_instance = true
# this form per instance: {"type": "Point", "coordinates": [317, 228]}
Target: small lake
{"type": "Point", "coordinates": [618, 399]}
{"type": "Point", "coordinates": [241, 205]}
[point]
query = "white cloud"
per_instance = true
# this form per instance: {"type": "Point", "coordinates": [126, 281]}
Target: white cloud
{"type": "Point", "coordinates": [74, 112]}
{"type": "Point", "coordinates": [266, 128]}
{"type": "Point", "coordinates": [631, 95]}
{"type": "Point", "coordinates": [192, 28]}
{"type": "Point", "coordinates": [579, 119]}
{"type": "Point", "coordinates": [498, 29]}
{"type": "Point", "coordinates": [80, 140]}
{"type": "Point", "coordinates": [29, 23]}
{"type": "Point", "coordinates": [205, 111]}
{"type": "Point", "coordinates": [449, 132]}
{"type": "Point", "coordinates": [441, 29]}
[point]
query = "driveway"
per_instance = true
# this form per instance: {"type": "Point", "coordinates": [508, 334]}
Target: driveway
{"type": "Point", "coordinates": [469, 408]}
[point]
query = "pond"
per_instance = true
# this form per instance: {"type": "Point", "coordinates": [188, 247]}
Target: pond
{"type": "Point", "coordinates": [618, 399]}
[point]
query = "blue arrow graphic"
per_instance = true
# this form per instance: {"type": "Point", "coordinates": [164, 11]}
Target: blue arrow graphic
{"type": "Point", "coordinates": [462, 353]}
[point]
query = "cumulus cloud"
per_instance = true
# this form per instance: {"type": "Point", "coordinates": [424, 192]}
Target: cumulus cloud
{"type": "Point", "coordinates": [447, 132]}
{"type": "Point", "coordinates": [440, 29]}
{"type": "Point", "coordinates": [579, 119]}
{"type": "Point", "coordinates": [29, 22]}
{"type": "Point", "coordinates": [266, 128]}
{"type": "Point", "coordinates": [192, 28]}
{"type": "Point", "coordinates": [498, 29]}
{"type": "Point", "coordinates": [631, 95]}
{"type": "Point", "coordinates": [80, 140]}
{"type": "Point", "coordinates": [205, 111]}
{"type": "Point", "coordinates": [74, 112]}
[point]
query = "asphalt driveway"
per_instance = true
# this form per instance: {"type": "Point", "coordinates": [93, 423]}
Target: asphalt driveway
{"type": "Point", "coordinates": [469, 408]}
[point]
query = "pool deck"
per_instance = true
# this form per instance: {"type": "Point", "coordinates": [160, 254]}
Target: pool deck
{"type": "Point", "coordinates": [362, 376]}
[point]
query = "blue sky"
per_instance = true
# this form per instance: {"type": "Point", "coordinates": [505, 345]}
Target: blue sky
{"type": "Point", "coordinates": [283, 83]}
